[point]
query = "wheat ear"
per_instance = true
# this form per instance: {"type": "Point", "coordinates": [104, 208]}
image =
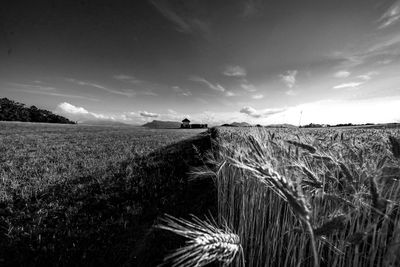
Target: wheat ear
{"type": "Point", "coordinates": [207, 243]}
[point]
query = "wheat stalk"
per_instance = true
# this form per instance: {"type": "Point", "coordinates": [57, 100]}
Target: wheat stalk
{"type": "Point", "coordinates": [206, 243]}
{"type": "Point", "coordinates": [314, 179]}
{"type": "Point", "coordinates": [304, 146]}
{"type": "Point", "coordinates": [346, 172]}
{"type": "Point", "coordinates": [395, 146]}
{"type": "Point", "coordinates": [336, 223]}
{"type": "Point", "coordinates": [283, 187]}
{"type": "Point", "coordinates": [378, 203]}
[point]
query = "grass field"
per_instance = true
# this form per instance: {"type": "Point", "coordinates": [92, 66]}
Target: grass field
{"type": "Point", "coordinates": [83, 195]}
{"type": "Point", "coordinates": [36, 156]}
{"type": "Point", "coordinates": [80, 195]}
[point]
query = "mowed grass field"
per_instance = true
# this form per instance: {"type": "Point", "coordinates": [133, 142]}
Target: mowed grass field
{"type": "Point", "coordinates": [34, 156]}
{"type": "Point", "coordinates": [83, 195]}
{"type": "Point", "coordinates": [90, 196]}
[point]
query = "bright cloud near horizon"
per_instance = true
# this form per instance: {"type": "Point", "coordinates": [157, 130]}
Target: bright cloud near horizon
{"type": "Point", "coordinates": [213, 62]}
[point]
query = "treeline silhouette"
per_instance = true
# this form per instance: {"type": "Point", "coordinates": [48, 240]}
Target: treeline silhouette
{"type": "Point", "coordinates": [13, 111]}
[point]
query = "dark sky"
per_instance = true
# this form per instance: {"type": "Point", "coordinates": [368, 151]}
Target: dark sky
{"type": "Point", "coordinates": [213, 61]}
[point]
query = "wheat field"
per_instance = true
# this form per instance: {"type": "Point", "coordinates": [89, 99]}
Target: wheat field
{"type": "Point", "coordinates": [308, 197]}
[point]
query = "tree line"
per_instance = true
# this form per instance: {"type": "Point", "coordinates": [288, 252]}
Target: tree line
{"type": "Point", "coordinates": [14, 111]}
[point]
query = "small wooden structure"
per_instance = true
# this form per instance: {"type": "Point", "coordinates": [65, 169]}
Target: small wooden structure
{"type": "Point", "coordinates": [185, 123]}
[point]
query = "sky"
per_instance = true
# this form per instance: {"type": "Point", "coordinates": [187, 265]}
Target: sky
{"type": "Point", "coordinates": [264, 62]}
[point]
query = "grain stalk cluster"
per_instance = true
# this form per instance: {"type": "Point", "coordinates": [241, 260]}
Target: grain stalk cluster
{"type": "Point", "coordinates": [308, 198]}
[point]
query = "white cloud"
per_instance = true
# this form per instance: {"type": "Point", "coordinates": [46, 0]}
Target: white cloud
{"type": "Point", "coordinates": [67, 107]}
{"type": "Point", "coordinates": [235, 71]}
{"type": "Point", "coordinates": [79, 113]}
{"type": "Point", "coordinates": [368, 76]}
{"type": "Point", "coordinates": [184, 20]}
{"type": "Point", "coordinates": [170, 14]}
{"type": "Point", "coordinates": [215, 87]}
{"type": "Point", "coordinates": [391, 16]}
{"type": "Point", "coordinates": [34, 87]}
{"type": "Point", "coordinates": [148, 114]}
{"type": "Point", "coordinates": [230, 93]}
{"type": "Point", "coordinates": [258, 96]}
{"type": "Point", "coordinates": [180, 91]}
{"type": "Point", "coordinates": [289, 78]}
{"type": "Point", "coordinates": [87, 84]}
{"type": "Point", "coordinates": [348, 85]}
{"type": "Point", "coordinates": [56, 94]}
{"type": "Point", "coordinates": [148, 93]}
{"type": "Point", "coordinates": [251, 112]}
{"type": "Point", "coordinates": [45, 90]}
{"type": "Point", "coordinates": [98, 86]}
{"type": "Point", "coordinates": [127, 78]}
{"type": "Point", "coordinates": [384, 49]}
{"type": "Point", "coordinates": [342, 74]}
{"type": "Point", "coordinates": [248, 86]}
{"type": "Point", "coordinates": [353, 60]}
{"type": "Point", "coordinates": [262, 113]}
{"type": "Point", "coordinates": [385, 61]}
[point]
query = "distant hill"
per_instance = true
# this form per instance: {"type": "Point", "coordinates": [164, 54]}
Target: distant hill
{"type": "Point", "coordinates": [240, 124]}
{"type": "Point", "coordinates": [382, 125]}
{"type": "Point", "coordinates": [13, 111]}
{"type": "Point", "coordinates": [245, 124]}
{"type": "Point", "coordinates": [155, 124]}
{"type": "Point", "coordinates": [237, 124]}
{"type": "Point", "coordinates": [284, 125]}
{"type": "Point", "coordinates": [104, 123]}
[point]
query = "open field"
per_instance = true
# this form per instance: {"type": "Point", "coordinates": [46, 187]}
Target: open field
{"type": "Point", "coordinates": [35, 156]}
{"type": "Point", "coordinates": [86, 195]}
{"type": "Point", "coordinates": [74, 194]}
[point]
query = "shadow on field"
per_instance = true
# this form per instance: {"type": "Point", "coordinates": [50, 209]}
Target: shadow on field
{"type": "Point", "coordinates": [107, 218]}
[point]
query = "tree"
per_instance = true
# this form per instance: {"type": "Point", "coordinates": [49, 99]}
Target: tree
{"type": "Point", "coordinates": [14, 111]}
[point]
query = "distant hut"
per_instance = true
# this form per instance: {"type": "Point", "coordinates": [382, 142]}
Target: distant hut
{"type": "Point", "coordinates": [185, 123]}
